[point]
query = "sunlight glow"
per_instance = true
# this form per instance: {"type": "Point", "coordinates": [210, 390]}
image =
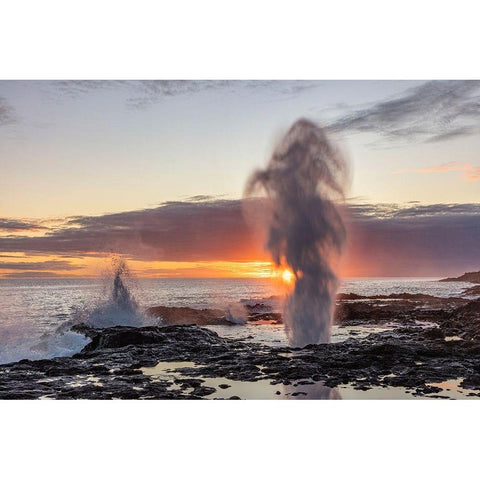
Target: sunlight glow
{"type": "Point", "coordinates": [288, 276]}
{"type": "Point", "coordinates": [284, 276]}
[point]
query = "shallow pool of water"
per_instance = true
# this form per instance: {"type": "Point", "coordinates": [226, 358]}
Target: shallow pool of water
{"type": "Point", "coordinates": [306, 389]}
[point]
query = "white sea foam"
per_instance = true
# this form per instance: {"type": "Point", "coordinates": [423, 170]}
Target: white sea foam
{"type": "Point", "coordinates": [236, 313]}
{"type": "Point", "coordinates": [22, 343]}
{"type": "Point", "coordinates": [28, 341]}
{"type": "Point", "coordinates": [32, 311]}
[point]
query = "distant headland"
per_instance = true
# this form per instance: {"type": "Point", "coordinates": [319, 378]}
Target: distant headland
{"type": "Point", "coordinates": [472, 277]}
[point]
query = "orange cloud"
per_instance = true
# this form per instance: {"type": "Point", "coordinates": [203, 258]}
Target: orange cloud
{"type": "Point", "coordinates": [213, 240]}
{"type": "Point", "coordinates": [214, 269]}
{"type": "Point", "coordinates": [48, 266]}
{"type": "Point", "coordinates": [470, 172]}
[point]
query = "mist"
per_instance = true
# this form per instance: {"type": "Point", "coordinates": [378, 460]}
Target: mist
{"type": "Point", "coordinates": [304, 181]}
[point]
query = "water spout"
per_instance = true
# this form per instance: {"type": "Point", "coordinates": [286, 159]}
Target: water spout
{"type": "Point", "coordinates": [304, 181]}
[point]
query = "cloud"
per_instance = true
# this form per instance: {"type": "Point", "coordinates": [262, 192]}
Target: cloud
{"type": "Point", "coordinates": [384, 239]}
{"type": "Point", "coordinates": [413, 210]}
{"type": "Point", "coordinates": [432, 112]}
{"type": "Point", "coordinates": [74, 88]}
{"type": "Point", "coordinates": [175, 231]}
{"type": "Point", "coordinates": [30, 275]}
{"type": "Point", "coordinates": [7, 113]}
{"type": "Point", "coordinates": [40, 266]}
{"type": "Point", "coordinates": [473, 175]}
{"type": "Point", "coordinates": [200, 198]}
{"type": "Point", "coordinates": [14, 224]}
{"type": "Point", "coordinates": [141, 94]}
{"type": "Point", "coordinates": [415, 240]}
{"type": "Point", "coordinates": [470, 172]}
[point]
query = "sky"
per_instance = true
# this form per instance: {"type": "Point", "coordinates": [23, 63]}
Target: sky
{"type": "Point", "coordinates": [155, 171]}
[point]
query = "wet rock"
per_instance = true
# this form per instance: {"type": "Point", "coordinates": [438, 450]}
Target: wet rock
{"type": "Point", "coordinates": [473, 291]}
{"type": "Point", "coordinates": [111, 366]}
{"type": "Point", "coordinates": [350, 296]}
{"type": "Point", "coordinates": [258, 308]}
{"type": "Point", "coordinates": [402, 308]}
{"type": "Point", "coordinates": [464, 321]}
{"type": "Point", "coordinates": [305, 382]}
{"type": "Point", "coordinates": [265, 318]}
{"type": "Point", "coordinates": [190, 382]}
{"type": "Point", "coordinates": [189, 316]}
{"type": "Point", "coordinates": [427, 389]}
{"type": "Point", "coordinates": [471, 382]}
{"type": "Point", "coordinates": [203, 391]}
{"type": "Point", "coordinates": [361, 387]}
{"type": "Point", "coordinates": [433, 333]}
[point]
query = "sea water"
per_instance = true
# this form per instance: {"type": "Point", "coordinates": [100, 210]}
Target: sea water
{"type": "Point", "coordinates": [31, 311]}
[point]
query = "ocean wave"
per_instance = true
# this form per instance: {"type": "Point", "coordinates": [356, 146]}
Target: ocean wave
{"type": "Point", "coordinates": [19, 343]}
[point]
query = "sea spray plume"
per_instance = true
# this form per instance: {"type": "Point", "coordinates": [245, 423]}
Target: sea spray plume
{"type": "Point", "coordinates": [25, 341]}
{"type": "Point", "coordinates": [304, 179]}
{"type": "Point", "coordinates": [121, 295]}
{"type": "Point", "coordinates": [121, 307]}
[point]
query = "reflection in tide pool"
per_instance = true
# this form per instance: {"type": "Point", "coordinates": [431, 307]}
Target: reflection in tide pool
{"type": "Point", "coordinates": [452, 389]}
{"type": "Point", "coordinates": [306, 389]}
{"type": "Point", "coordinates": [274, 335]}
{"type": "Point", "coordinates": [226, 388]}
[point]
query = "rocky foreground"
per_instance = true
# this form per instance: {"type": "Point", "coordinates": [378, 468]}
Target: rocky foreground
{"type": "Point", "coordinates": [428, 340]}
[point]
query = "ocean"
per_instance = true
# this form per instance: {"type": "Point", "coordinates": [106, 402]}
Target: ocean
{"type": "Point", "coordinates": [32, 312]}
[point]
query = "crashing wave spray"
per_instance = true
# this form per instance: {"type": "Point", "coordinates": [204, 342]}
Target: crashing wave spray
{"type": "Point", "coordinates": [24, 340]}
{"type": "Point", "coordinates": [121, 295]}
{"type": "Point", "coordinates": [304, 179]}
{"type": "Point", "coordinates": [120, 309]}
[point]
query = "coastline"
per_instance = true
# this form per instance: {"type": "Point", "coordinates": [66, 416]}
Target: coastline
{"type": "Point", "coordinates": [424, 345]}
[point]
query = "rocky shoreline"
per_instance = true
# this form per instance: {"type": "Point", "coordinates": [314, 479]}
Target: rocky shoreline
{"type": "Point", "coordinates": [470, 277]}
{"type": "Point", "coordinates": [430, 340]}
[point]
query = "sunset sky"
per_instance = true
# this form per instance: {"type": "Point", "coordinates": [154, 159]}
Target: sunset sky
{"type": "Point", "coordinates": [155, 170]}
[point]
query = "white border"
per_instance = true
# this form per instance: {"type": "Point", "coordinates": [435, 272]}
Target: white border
{"type": "Point", "coordinates": [248, 39]}
{"type": "Point", "coordinates": [255, 439]}
{"type": "Point", "coordinates": [306, 39]}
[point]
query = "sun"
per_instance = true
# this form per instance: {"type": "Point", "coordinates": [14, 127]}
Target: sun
{"type": "Point", "coordinates": [287, 276]}
{"type": "Point", "coordinates": [283, 276]}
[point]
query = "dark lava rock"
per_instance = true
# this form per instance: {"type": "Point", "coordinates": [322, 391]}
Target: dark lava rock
{"type": "Point", "coordinates": [433, 333]}
{"type": "Point", "coordinates": [189, 316]}
{"type": "Point", "coordinates": [203, 391]}
{"type": "Point", "coordinates": [258, 308]}
{"type": "Point", "coordinates": [350, 296]}
{"type": "Point", "coordinates": [469, 311]}
{"type": "Point", "coordinates": [265, 318]}
{"type": "Point", "coordinates": [472, 382]}
{"type": "Point", "coordinates": [473, 291]}
{"type": "Point", "coordinates": [189, 382]}
{"type": "Point", "coordinates": [117, 337]}
{"type": "Point", "coordinates": [427, 390]}
{"type": "Point", "coordinates": [404, 308]}
{"type": "Point", "coordinates": [464, 321]}
{"type": "Point", "coordinates": [407, 355]}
